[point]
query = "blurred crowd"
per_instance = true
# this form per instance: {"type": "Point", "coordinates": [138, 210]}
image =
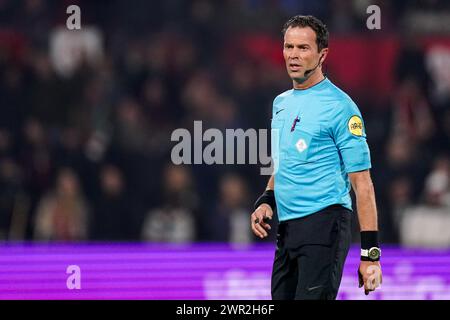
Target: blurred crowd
{"type": "Point", "coordinates": [86, 118]}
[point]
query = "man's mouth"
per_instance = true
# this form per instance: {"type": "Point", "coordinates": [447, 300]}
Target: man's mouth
{"type": "Point", "coordinates": [294, 66]}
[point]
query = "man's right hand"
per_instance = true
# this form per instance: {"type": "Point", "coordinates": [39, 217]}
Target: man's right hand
{"type": "Point", "coordinates": [257, 220]}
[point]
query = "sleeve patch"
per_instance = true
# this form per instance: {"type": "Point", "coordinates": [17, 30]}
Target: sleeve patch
{"type": "Point", "coordinates": [355, 126]}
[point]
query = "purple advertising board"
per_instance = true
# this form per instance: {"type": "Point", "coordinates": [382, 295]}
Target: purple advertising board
{"type": "Point", "coordinates": [198, 272]}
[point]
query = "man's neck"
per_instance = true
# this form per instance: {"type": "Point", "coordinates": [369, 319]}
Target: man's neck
{"type": "Point", "coordinates": [314, 79]}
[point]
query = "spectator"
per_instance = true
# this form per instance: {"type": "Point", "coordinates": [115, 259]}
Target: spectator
{"type": "Point", "coordinates": [412, 115]}
{"type": "Point", "coordinates": [13, 201]}
{"type": "Point", "coordinates": [428, 225]}
{"type": "Point", "coordinates": [112, 213]}
{"type": "Point", "coordinates": [437, 184]}
{"type": "Point", "coordinates": [400, 198]}
{"type": "Point", "coordinates": [62, 214]}
{"type": "Point", "coordinates": [35, 158]}
{"type": "Point", "coordinates": [229, 222]}
{"type": "Point", "coordinates": [174, 219]}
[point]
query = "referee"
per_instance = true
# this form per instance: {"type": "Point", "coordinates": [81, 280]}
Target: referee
{"type": "Point", "coordinates": [319, 151]}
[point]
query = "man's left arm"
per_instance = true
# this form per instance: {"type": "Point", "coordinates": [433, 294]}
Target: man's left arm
{"type": "Point", "coordinates": [369, 272]}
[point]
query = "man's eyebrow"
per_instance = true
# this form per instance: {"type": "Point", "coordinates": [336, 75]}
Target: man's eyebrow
{"type": "Point", "coordinates": [297, 45]}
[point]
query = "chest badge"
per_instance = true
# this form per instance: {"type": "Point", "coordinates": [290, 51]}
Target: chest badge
{"type": "Point", "coordinates": [301, 145]}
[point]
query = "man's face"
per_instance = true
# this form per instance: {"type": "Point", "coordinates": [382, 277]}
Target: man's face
{"type": "Point", "coordinates": [300, 51]}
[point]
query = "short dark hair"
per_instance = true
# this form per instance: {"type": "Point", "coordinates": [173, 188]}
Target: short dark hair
{"type": "Point", "coordinates": [309, 21]}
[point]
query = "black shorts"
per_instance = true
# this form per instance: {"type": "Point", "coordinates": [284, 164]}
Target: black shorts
{"type": "Point", "coordinates": [310, 255]}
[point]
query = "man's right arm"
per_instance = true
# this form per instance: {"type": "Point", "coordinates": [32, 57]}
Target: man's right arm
{"type": "Point", "coordinates": [263, 211]}
{"type": "Point", "coordinates": [271, 183]}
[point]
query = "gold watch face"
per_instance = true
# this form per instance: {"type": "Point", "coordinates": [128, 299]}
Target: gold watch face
{"type": "Point", "coordinates": [374, 253]}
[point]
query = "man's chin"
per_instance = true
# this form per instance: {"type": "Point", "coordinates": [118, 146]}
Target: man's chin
{"type": "Point", "coordinates": [298, 78]}
{"type": "Point", "coordinates": [296, 74]}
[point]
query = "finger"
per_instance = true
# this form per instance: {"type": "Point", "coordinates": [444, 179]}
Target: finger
{"type": "Point", "coordinates": [254, 229]}
{"type": "Point", "coordinates": [370, 284]}
{"type": "Point", "coordinates": [360, 278]}
{"type": "Point", "coordinates": [264, 214]}
{"type": "Point", "coordinates": [256, 232]}
{"type": "Point", "coordinates": [256, 218]}
{"type": "Point", "coordinates": [261, 230]}
{"type": "Point", "coordinates": [265, 226]}
{"type": "Point", "coordinates": [259, 226]}
{"type": "Point", "coordinates": [367, 291]}
{"type": "Point", "coordinates": [374, 279]}
{"type": "Point", "coordinates": [368, 287]}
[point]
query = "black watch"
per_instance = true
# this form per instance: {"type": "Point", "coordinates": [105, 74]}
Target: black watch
{"type": "Point", "coordinates": [372, 254]}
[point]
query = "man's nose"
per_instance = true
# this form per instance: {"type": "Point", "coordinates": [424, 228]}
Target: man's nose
{"type": "Point", "coordinates": [294, 55]}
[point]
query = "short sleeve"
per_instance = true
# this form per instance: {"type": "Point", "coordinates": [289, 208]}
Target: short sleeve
{"type": "Point", "coordinates": [349, 134]}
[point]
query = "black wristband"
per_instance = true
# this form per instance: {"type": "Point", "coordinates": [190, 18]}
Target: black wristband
{"type": "Point", "coordinates": [267, 197]}
{"type": "Point", "coordinates": [369, 239]}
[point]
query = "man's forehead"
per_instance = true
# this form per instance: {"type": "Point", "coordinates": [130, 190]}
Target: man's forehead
{"type": "Point", "coordinates": [303, 34]}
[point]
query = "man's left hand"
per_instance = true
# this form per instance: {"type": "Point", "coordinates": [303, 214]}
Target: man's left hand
{"type": "Point", "coordinates": [369, 275]}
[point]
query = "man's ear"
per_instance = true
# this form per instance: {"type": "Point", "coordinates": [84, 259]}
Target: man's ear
{"type": "Point", "coordinates": [323, 55]}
